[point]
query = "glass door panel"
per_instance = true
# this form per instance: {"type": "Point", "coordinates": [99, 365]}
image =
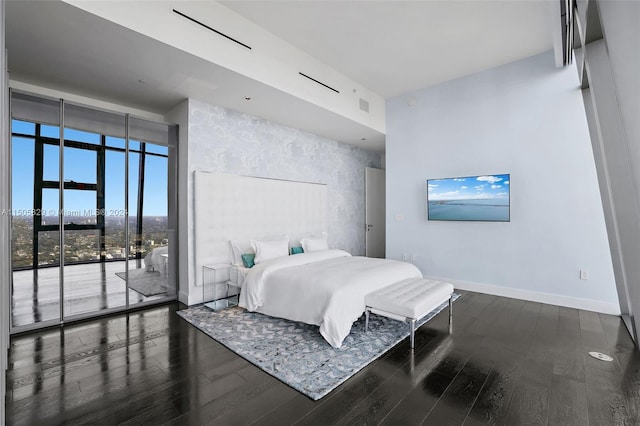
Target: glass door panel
{"type": "Point", "coordinates": [137, 268]}
{"type": "Point", "coordinates": [148, 218]}
{"type": "Point", "coordinates": [46, 295]}
{"type": "Point", "coordinates": [100, 265]}
{"type": "Point", "coordinates": [35, 287]}
{"type": "Point", "coordinates": [114, 215]}
{"type": "Point", "coordinates": [91, 284]}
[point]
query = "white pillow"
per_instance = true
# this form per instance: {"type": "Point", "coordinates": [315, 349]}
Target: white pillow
{"type": "Point", "coordinates": [315, 243]}
{"type": "Point", "coordinates": [238, 248]}
{"type": "Point", "coordinates": [270, 249]}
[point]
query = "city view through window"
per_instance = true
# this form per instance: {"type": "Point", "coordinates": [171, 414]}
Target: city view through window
{"type": "Point", "coordinates": [94, 196]}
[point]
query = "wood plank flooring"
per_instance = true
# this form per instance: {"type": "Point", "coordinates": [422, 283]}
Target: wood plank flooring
{"type": "Point", "coordinates": [508, 362]}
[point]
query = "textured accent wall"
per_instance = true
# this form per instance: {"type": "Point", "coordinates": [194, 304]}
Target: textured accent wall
{"type": "Point", "coordinates": [226, 141]}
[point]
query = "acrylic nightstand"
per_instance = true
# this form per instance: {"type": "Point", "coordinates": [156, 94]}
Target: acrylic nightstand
{"type": "Point", "coordinates": [210, 283]}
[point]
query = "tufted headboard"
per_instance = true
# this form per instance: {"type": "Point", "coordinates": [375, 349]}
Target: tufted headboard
{"type": "Point", "coordinates": [232, 207]}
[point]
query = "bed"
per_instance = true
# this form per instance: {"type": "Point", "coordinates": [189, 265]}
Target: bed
{"type": "Point", "coordinates": [156, 260]}
{"type": "Point", "coordinates": [324, 288]}
{"type": "Point", "coordinates": [237, 275]}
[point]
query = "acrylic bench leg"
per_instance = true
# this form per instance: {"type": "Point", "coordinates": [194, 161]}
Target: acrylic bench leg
{"type": "Point", "coordinates": [413, 331]}
{"type": "Point", "coordinates": [450, 315]}
{"type": "Point", "coordinates": [366, 320]}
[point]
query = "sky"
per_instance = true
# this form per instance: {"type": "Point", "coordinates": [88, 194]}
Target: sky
{"type": "Point", "coordinates": [80, 166]}
{"type": "Point", "coordinates": [495, 187]}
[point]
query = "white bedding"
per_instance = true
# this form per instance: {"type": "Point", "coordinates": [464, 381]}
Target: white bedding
{"type": "Point", "coordinates": [155, 261]}
{"type": "Point", "coordinates": [237, 275]}
{"type": "Point", "coordinates": [324, 288]}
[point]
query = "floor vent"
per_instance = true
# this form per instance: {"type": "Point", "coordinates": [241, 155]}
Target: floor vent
{"type": "Point", "coordinates": [211, 29]}
{"type": "Point", "coordinates": [319, 82]}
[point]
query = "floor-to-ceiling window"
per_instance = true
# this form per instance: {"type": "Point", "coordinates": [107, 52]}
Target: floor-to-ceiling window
{"type": "Point", "coordinates": [93, 222]}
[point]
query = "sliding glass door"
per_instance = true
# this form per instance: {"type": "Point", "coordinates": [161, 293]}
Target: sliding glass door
{"type": "Point", "coordinates": [149, 220]}
{"type": "Point", "coordinates": [92, 217]}
{"type": "Point", "coordinates": [35, 293]}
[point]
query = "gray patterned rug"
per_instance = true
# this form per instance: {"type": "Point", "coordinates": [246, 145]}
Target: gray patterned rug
{"type": "Point", "coordinates": [296, 353]}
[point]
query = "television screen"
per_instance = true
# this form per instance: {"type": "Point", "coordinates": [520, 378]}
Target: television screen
{"type": "Point", "coordinates": [481, 198]}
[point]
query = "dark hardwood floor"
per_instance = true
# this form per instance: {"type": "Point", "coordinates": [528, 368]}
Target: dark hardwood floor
{"type": "Point", "coordinates": [508, 362]}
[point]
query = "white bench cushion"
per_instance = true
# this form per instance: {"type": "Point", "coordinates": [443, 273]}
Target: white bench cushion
{"type": "Point", "coordinates": [410, 298]}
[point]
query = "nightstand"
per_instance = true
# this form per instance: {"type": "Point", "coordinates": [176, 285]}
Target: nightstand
{"type": "Point", "coordinates": [210, 283]}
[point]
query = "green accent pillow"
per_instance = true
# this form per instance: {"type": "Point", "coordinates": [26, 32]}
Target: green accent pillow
{"type": "Point", "coordinates": [248, 259]}
{"type": "Point", "coordinates": [296, 250]}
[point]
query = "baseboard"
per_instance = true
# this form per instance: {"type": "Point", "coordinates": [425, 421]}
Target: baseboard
{"type": "Point", "coordinates": [534, 296]}
{"type": "Point", "coordinates": [183, 297]}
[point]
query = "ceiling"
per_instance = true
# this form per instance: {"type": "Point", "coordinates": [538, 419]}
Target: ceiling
{"type": "Point", "coordinates": [390, 47]}
{"type": "Point", "coordinates": [394, 47]}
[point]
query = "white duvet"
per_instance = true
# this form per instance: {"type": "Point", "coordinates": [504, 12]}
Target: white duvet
{"type": "Point", "coordinates": [324, 288]}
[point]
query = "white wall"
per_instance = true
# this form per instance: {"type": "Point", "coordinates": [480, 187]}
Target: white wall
{"type": "Point", "coordinates": [526, 119]}
{"type": "Point", "coordinates": [226, 141]}
{"type": "Point", "coordinates": [5, 203]}
{"type": "Point", "coordinates": [180, 116]}
{"type": "Point", "coordinates": [612, 101]}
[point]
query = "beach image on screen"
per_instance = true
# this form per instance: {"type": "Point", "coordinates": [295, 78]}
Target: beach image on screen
{"type": "Point", "coordinates": [482, 198]}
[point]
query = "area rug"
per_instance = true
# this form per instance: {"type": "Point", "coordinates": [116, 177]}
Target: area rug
{"type": "Point", "coordinates": [296, 353]}
{"type": "Point", "coordinates": [147, 283]}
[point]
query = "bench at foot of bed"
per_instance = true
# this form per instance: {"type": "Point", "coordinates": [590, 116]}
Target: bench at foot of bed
{"type": "Point", "coordinates": [409, 300]}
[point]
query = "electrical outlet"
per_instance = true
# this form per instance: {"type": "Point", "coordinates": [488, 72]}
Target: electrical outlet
{"type": "Point", "coordinates": [584, 274]}
{"type": "Point", "coordinates": [405, 256]}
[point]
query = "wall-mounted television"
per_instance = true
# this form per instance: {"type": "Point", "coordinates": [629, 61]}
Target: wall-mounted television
{"type": "Point", "coordinates": [475, 198]}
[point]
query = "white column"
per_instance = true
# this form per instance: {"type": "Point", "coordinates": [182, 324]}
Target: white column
{"type": "Point", "coordinates": [5, 219]}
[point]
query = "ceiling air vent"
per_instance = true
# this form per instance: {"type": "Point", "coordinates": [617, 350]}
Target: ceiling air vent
{"type": "Point", "coordinates": [364, 105]}
{"type": "Point", "coordinates": [211, 29]}
{"type": "Point", "coordinates": [319, 82]}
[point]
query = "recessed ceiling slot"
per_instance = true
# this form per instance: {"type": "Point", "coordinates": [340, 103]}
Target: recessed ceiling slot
{"type": "Point", "coordinates": [319, 82]}
{"type": "Point", "coordinates": [211, 29]}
